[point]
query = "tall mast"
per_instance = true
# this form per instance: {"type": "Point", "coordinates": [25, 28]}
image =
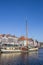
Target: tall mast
{"type": "Point", "coordinates": [26, 30]}
{"type": "Point", "coordinates": [26, 33]}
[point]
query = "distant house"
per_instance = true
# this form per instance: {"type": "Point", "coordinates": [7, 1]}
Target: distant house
{"type": "Point", "coordinates": [4, 40]}
{"type": "Point", "coordinates": [13, 40]}
{"type": "Point", "coordinates": [2, 35]}
{"type": "Point", "coordinates": [8, 39]}
{"type": "Point", "coordinates": [31, 42]}
{"type": "Point", "coordinates": [41, 44]}
{"type": "Point", "coordinates": [23, 41]}
{"type": "Point", "coordinates": [36, 43]}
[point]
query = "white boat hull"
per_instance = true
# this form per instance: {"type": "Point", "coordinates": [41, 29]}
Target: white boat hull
{"type": "Point", "coordinates": [33, 49]}
{"type": "Point", "coordinates": [12, 51]}
{"type": "Point", "coordinates": [9, 51]}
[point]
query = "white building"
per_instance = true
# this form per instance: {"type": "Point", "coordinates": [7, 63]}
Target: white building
{"type": "Point", "coordinates": [23, 41]}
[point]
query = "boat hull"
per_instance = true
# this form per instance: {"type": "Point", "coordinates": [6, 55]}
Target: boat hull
{"type": "Point", "coordinates": [13, 51]}
{"type": "Point", "coordinates": [9, 51]}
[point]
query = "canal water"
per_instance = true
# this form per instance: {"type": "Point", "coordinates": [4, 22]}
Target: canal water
{"type": "Point", "coordinates": [31, 58]}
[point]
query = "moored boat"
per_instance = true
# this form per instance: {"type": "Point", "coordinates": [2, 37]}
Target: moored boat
{"type": "Point", "coordinates": [13, 50]}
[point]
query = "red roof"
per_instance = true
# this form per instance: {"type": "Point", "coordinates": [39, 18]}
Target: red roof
{"type": "Point", "coordinates": [24, 38]}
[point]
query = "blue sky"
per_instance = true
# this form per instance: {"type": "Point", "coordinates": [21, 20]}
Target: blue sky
{"type": "Point", "coordinates": [13, 18]}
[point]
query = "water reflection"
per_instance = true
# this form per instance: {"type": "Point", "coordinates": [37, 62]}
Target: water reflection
{"type": "Point", "coordinates": [31, 58]}
{"type": "Point", "coordinates": [9, 59]}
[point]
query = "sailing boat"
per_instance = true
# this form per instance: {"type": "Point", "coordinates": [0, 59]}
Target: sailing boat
{"type": "Point", "coordinates": [11, 48]}
{"type": "Point", "coordinates": [26, 48]}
